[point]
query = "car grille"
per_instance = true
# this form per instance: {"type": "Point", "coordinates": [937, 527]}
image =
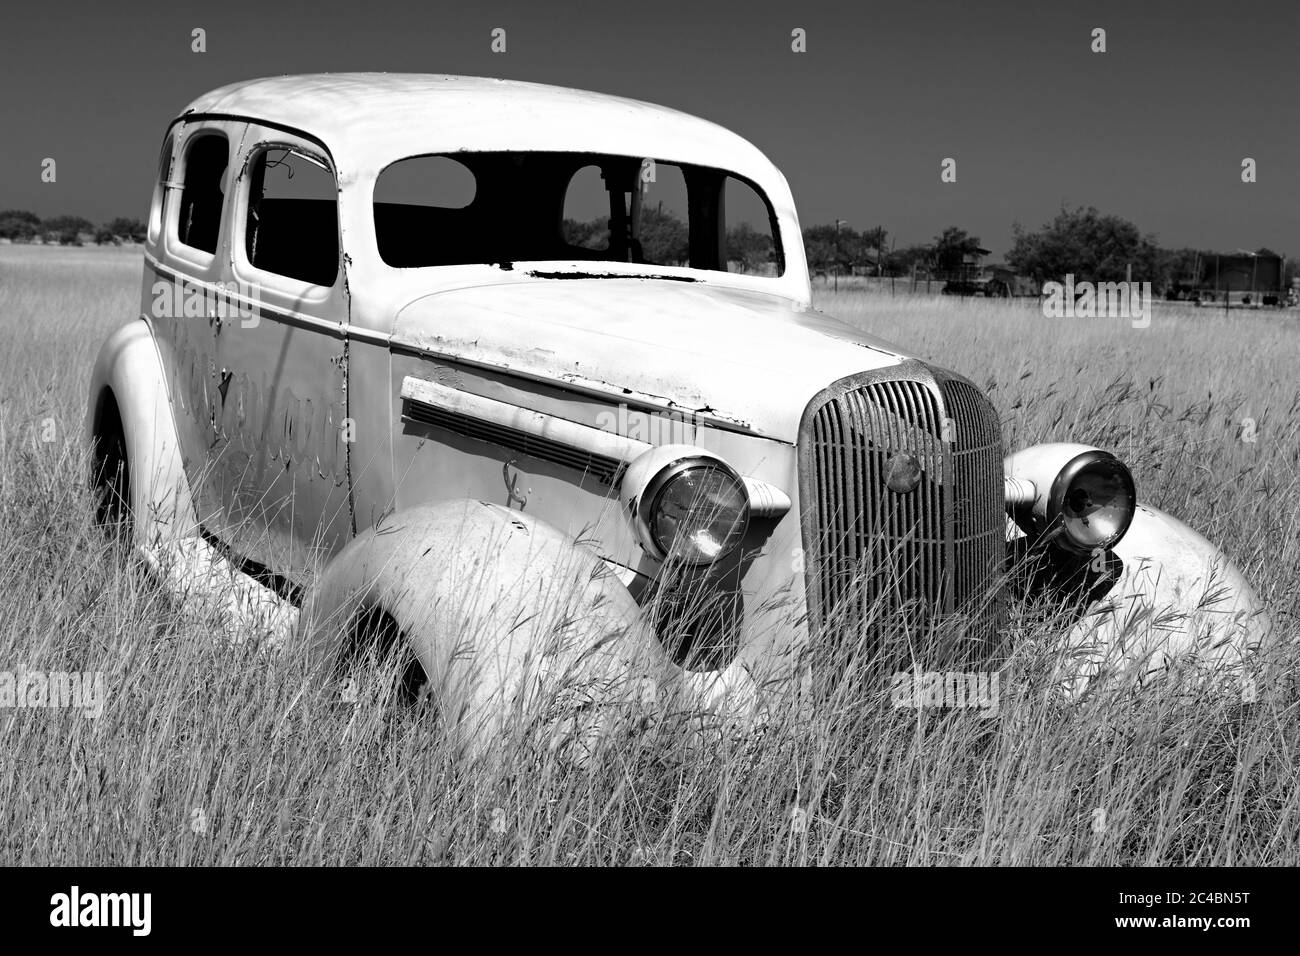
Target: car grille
{"type": "Point", "coordinates": [890, 556]}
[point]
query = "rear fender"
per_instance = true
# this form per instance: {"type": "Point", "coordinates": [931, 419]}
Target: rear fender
{"type": "Point", "coordinates": [128, 375]}
{"type": "Point", "coordinates": [128, 372]}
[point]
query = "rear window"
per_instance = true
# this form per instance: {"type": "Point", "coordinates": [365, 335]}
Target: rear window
{"type": "Point", "coordinates": [203, 193]}
{"type": "Point", "coordinates": [503, 207]}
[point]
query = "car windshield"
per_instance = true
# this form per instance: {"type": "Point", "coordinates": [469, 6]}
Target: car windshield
{"type": "Point", "coordinates": [505, 207]}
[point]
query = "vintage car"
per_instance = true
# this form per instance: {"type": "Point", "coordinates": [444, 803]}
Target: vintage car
{"type": "Point", "coordinates": [466, 364]}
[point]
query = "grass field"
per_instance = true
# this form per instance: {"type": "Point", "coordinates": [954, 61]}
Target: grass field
{"type": "Point", "coordinates": [212, 756]}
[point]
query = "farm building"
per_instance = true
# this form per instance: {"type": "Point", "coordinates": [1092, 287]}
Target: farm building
{"type": "Point", "coordinates": [966, 275]}
{"type": "Point", "coordinates": [1245, 277]}
{"type": "Point", "coordinates": [1003, 281]}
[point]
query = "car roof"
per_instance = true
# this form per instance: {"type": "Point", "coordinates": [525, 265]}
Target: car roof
{"type": "Point", "coordinates": [369, 120]}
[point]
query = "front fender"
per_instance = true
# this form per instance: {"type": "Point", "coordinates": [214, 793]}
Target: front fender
{"type": "Point", "coordinates": [1177, 596]}
{"type": "Point", "coordinates": [506, 614]}
{"type": "Point", "coordinates": [461, 566]}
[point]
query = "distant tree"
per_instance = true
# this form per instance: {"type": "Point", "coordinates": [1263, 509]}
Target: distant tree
{"type": "Point", "coordinates": [819, 247]}
{"type": "Point", "coordinates": [902, 260]}
{"type": "Point", "coordinates": [748, 246]}
{"type": "Point", "coordinates": [828, 249]}
{"type": "Point", "coordinates": [1180, 267]}
{"type": "Point", "coordinates": [129, 230]}
{"type": "Point", "coordinates": [665, 239]}
{"type": "Point", "coordinates": [1087, 244]}
{"type": "Point", "coordinates": [103, 237]}
{"type": "Point", "coordinates": [66, 230]}
{"type": "Point", "coordinates": [587, 235]}
{"type": "Point", "coordinates": [854, 249]}
{"type": "Point", "coordinates": [19, 225]}
{"type": "Point", "coordinates": [876, 238]}
{"type": "Point", "coordinates": [951, 247]}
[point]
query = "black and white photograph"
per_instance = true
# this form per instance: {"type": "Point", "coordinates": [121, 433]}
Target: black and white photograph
{"type": "Point", "coordinates": [592, 435]}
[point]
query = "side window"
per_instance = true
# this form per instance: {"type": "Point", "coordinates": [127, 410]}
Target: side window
{"type": "Point", "coordinates": [292, 223]}
{"type": "Point", "coordinates": [422, 214]}
{"type": "Point", "coordinates": [160, 190]}
{"type": "Point", "coordinates": [750, 245]}
{"type": "Point", "coordinates": [199, 222]}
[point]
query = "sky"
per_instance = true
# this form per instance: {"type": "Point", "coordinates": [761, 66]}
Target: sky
{"type": "Point", "coordinates": [1154, 129]}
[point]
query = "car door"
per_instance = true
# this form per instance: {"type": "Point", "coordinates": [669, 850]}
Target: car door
{"type": "Point", "coordinates": [186, 266]}
{"type": "Point", "coordinates": [281, 453]}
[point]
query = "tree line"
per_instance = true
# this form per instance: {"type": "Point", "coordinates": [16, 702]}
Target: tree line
{"type": "Point", "coordinates": [665, 239]}
{"type": "Point", "coordinates": [1082, 241]}
{"type": "Point", "coordinates": [18, 225]}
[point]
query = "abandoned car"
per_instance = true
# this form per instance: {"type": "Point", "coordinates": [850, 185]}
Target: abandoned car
{"type": "Point", "coordinates": [418, 353]}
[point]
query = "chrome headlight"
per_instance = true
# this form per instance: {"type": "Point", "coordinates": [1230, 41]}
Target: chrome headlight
{"type": "Point", "coordinates": [1079, 499]}
{"type": "Point", "coordinates": [1093, 498]}
{"type": "Point", "coordinates": [687, 504]}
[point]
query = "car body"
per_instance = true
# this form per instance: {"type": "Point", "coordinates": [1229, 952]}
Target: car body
{"type": "Point", "coordinates": [306, 371]}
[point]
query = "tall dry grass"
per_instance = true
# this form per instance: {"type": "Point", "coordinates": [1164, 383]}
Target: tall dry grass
{"type": "Point", "coordinates": [205, 755]}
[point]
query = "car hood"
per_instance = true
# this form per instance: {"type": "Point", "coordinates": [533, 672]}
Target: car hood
{"type": "Point", "coordinates": [751, 360]}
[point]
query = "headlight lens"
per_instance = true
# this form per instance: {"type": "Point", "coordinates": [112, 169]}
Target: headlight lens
{"type": "Point", "coordinates": [1094, 499]}
{"type": "Point", "coordinates": [696, 511]}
